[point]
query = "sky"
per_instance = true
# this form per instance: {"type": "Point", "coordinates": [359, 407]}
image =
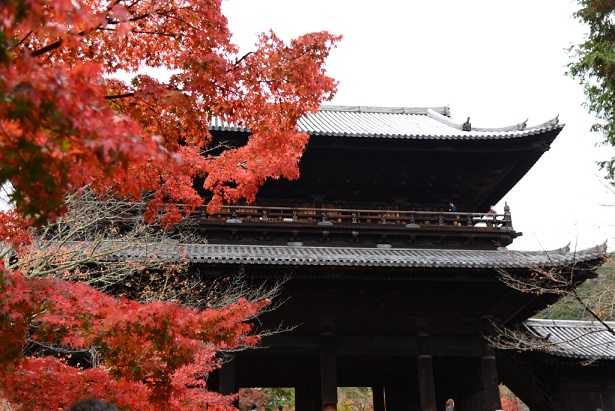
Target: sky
{"type": "Point", "coordinates": [497, 62]}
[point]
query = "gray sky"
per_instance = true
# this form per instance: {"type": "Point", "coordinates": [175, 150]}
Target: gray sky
{"type": "Point", "coordinates": [498, 62]}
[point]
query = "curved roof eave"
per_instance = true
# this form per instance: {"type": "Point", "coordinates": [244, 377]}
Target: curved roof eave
{"type": "Point", "coordinates": [291, 255]}
{"type": "Point", "coordinates": [588, 340]}
{"type": "Point", "coordinates": [411, 123]}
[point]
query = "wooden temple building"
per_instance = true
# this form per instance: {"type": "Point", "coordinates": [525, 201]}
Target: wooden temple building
{"type": "Point", "coordinates": [391, 257]}
{"type": "Point", "coordinates": [574, 371]}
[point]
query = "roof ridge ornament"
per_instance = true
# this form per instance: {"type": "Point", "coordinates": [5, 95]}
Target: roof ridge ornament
{"type": "Point", "coordinates": [467, 126]}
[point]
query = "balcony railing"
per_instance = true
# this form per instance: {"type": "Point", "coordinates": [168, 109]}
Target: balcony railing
{"type": "Point", "coordinates": [339, 216]}
{"type": "Point", "coordinates": [343, 217]}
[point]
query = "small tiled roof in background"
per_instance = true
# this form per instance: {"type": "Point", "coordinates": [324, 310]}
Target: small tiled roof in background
{"type": "Point", "coordinates": [588, 340]}
{"type": "Point", "coordinates": [299, 255]}
{"type": "Point", "coordinates": [398, 122]}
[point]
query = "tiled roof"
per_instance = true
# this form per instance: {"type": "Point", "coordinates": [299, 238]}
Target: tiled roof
{"type": "Point", "coordinates": [400, 122]}
{"type": "Point", "coordinates": [293, 255]}
{"type": "Point", "coordinates": [575, 339]}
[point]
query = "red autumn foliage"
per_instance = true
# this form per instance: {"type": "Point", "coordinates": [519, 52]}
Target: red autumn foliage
{"type": "Point", "coordinates": [158, 351]}
{"type": "Point", "coordinates": [510, 403]}
{"type": "Point", "coordinates": [64, 123]}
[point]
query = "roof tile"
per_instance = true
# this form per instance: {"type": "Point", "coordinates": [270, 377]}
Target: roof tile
{"type": "Point", "coordinates": [575, 339]}
{"type": "Point", "coordinates": [355, 256]}
{"type": "Point", "coordinates": [402, 123]}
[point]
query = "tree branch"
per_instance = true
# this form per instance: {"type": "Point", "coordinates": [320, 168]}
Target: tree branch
{"type": "Point", "coordinates": [591, 312]}
{"type": "Point", "coordinates": [22, 40]}
{"type": "Point", "coordinates": [49, 47]}
{"type": "Point", "coordinates": [118, 96]}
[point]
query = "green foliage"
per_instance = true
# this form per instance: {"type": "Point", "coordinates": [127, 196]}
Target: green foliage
{"type": "Point", "coordinates": [598, 294]}
{"type": "Point", "coordinates": [354, 399]}
{"type": "Point", "coordinates": [280, 397]}
{"type": "Point", "coordinates": [349, 399]}
{"type": "Point", "coordinates": [594, 66]}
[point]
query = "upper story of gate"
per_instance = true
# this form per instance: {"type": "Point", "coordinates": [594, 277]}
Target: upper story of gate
{"type": "Point", "coordinates": [380, 175]}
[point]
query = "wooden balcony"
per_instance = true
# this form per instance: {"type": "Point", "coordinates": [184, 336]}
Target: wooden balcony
{"type": "Point", "coordinates": [303, 216]}
{"type": "Point", "coordinates": [280, 225]}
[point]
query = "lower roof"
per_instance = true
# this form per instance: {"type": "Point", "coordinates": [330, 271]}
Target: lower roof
{"type": "Point", "coordinates": [589, 340]}
{"type": "Point", "coordinates": [298, 255]}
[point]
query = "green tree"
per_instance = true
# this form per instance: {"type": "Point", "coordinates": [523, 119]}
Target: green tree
{"type": "Point", "coordinates": [593, 65]}
{"type": "Point", "coordinates": [597, 294]}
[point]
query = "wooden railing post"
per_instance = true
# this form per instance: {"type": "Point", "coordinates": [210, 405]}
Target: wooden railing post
{"type": "Point", "coordinates": [507, 216]}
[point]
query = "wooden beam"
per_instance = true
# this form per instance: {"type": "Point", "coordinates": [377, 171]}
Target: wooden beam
{"type": "Point", "coordinates": [375, 345]}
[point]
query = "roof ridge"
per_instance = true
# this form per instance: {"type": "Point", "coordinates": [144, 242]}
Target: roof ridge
{"type": "Point", "coordinates": [521, 126]}
{"type": "Point", "coordinates": [443, 110]}
{"type": "Point", "coordinates": [566, 250]}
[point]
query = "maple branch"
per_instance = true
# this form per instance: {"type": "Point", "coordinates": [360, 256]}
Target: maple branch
{"type": "Point", "coordinates": [159, 12]}
{"type": "Point", "coordinates": [158, 33]}
{"type": "Point", "coordinates": [131, 5]}
{"type": "Point", "coordinates": [52, 46]}
{"type": "Point", "coordinates": [236, 64]}
{"type": "Point", "coordinates": [118, 96]}
{"type": "Point", "coordinates": [22, 40]}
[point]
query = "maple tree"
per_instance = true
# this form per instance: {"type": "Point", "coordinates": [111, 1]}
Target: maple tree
{"type": "Point", "coordinates": [154, 356]}
{"type": "Point", "coordinates": [67, 122]}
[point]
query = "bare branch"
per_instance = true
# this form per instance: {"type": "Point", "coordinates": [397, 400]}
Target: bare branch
{"type": "Point", "coordinates": [95, 242]}
{"type": "Point", "coordinates": [559, 282]}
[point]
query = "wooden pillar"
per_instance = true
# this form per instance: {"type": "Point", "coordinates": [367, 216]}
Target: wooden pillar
{"type": "Point", "coordinates": [378, 398]}
{"type": "Point", "coordinates": [328, 372]}
{"type": "Point", "coordinates": [490, 391]}
{"type": "Point", "coordinates": [398, 397]}
{"type": "Point", "coordinates": [608, 390]}
{"type": "Point", "coordinates": [401, 389]}
{"type": "Point", "coordinates": [307, 397]}
{"type": "Point", "coordinates": [395, 397]}
{"type": "Point", "coordinates": [228, 375]}
{"type": "Point", "coordinates": [424, 367]}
